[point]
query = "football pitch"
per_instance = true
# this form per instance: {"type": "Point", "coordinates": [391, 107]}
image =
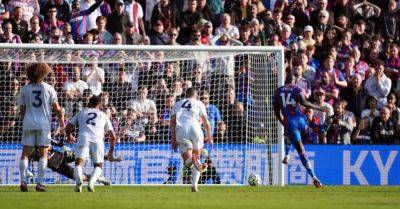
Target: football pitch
{"type": "Point", "coordinates": [209, 197]}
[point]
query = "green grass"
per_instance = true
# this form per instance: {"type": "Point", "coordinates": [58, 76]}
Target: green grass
{"type": "Point", "coordinates": [157, 197]}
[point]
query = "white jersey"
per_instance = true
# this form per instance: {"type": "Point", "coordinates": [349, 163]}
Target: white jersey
{"type": "Point", "coordinates": [92, 125]}
{"type": "Point", "coordinates": [38, 100]}
{"type": "Point", "coordinates": [94, 83]}
{"type": "Point", "coordinates": [188, 112]}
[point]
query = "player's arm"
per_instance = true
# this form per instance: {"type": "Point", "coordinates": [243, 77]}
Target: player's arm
{"type": "Point", "coordinates": [207, 126]}
{"type": "Point", "coordinates": [302, 100]}
{"type": "Point", "coordinates": [57, 108]}
{"type": "Point", "coordinates": [60, 114]}
{"type": "Point", "coordinates": [172, 125]}
{"type": "Point", "coordinates": [22, 106]}
{"type": "Point", "coordinates": [113, 138]}
{"type": "Point", "coordinates": [277, 113]}
{"type": "Point", "coordinates": [22, 110]}
{"type": "Point", "coordinates": [68, 132]}
{"type": "Point", "coordinates": [70, 126]}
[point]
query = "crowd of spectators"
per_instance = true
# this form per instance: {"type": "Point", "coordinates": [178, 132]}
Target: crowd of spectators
{"type": "Point", "coordinates": [343, 53]}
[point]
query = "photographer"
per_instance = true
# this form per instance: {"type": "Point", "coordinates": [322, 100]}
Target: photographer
{"type": "Point", "coordinates": [209, 174]}
{"type": "Point", "coordinates": [339, 126]}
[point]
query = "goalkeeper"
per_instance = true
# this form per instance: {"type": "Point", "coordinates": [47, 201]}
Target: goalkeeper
{"type": "Point", "coordinates": [59, 162]}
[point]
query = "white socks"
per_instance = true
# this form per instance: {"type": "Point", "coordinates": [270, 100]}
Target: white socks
{"type": "Point", "coordinates": [42, 165]}
{"type": "Point", "coordinates": [195, 173]}
{"type": "Point", "coordinates": [95, 175]}
{"type": "Point", "coordinates": [78, 174]}
{"type": "Point", "coordinates": [23, 165]}
{"type": "Point", "coordinates": [195, 177]}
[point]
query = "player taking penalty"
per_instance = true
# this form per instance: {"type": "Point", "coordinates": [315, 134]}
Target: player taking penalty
{"type": "Point", "coordinates": [36, 100]}
{"type": "Point", "coordinates": [93, 123]}
{"type": "Point", "coordinates": [288, 99]}
{"type": "Point", "coordinates": [186, 132]}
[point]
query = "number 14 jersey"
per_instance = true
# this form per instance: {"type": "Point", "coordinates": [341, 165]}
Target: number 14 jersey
{"type": "Point", "coordinates": [92, 125]}
{"type": "Point", "coordinates": [285, 95]}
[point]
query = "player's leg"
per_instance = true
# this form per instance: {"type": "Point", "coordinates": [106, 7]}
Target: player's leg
{"type": "Point", "coordinates": [288, 147]}
{"type": "Point", "coordinates": [103, 180]}
{"type": "Point", "coordinates": [187, 157]}
{"type": "Point", "coordinates": [186, 147]}
{"type": "Point", "coordinates": [290, 135]}
{"type": "Point", "coordinates": [68, 171]}
{"type": "Point", "coordinates": [43, 142]}
{"type": "Point", "coordinates": [28, 142]}
{"type": "Point", "coordinates": [97, 153]}
{"type": "Point", "coordinates": [300, 124]}
{"type": "Point", "coordinates": [198, 143]}
{"type": "Point", "coordinates": [95, 176]}
{"type": "Point", "coordinates": [301, 127]}
{"type": "Point", "coordinates": [78, 173]}
{"type": "Point", "coordinates": [23, 166]}
{"type": "Point", "coordinates": [304, 160]}
{"type": "Point", "coordinates": [42, 165]}
{"type": "Point", "coordinates": [197, 139]}
{"type": "Point", "coordinates": [28, 173]}
{"type": "Point", "coordinates": [188, 161]}
{"type": "Point", "coordinates": [82, 153]}
{"type": "Point", "coordinates": [196, 169]}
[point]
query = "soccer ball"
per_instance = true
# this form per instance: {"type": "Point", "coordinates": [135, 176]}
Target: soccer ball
{"type": "Point", "coordinates": [254, 180]}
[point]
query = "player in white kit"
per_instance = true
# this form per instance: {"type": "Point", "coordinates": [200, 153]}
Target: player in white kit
{"type": "Point", "coordinates": [36, 100]}
{"type": "Point", "coordinates": [187, 116]}
{"type": "Point", "coordinates": [93, 124]}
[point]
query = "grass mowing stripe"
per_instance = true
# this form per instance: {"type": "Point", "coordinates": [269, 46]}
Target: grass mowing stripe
{"type": "Point", "coordinates": [298, 197]}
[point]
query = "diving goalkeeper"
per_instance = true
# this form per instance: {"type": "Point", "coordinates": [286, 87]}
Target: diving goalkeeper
{"type": "Point", "coordinates": [59, 162]}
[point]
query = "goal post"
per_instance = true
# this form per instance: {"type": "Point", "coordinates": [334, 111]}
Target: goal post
{"type": "Point", "coordinates": [138, 86]}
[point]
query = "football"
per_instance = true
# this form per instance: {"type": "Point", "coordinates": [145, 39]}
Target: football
{"type": "Point", "coordinates": [254, 180]}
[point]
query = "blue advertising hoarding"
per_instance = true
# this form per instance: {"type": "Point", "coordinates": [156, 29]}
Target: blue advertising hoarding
{"type": "Point", "coordinates": [147, 164]}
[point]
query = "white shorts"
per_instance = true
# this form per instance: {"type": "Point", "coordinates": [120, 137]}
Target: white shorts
{"type": "Point", "coordinates": [41, 138]}
{"type": "Point", "coordinates": [90, 149]}
{"type": "Point", "coordinates": [189, 138]}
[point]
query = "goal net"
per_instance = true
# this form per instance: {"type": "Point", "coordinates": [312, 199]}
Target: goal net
{"type": "Point", "coordinates": [138, 86]}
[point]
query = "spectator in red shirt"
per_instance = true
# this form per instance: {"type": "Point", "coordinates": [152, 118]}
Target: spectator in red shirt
{"type": "Point", "coordinates": [392, 64]}
{"type": "Point", "coordinates": [325, 83]}
{"type": "Point", "coordinates": [336, 75]}
{"type": "Point", "coordinates": [51, 21]}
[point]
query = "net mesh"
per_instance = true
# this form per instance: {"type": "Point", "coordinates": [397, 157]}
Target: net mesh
{"type": "Point", "coordinates": [138, 89]}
